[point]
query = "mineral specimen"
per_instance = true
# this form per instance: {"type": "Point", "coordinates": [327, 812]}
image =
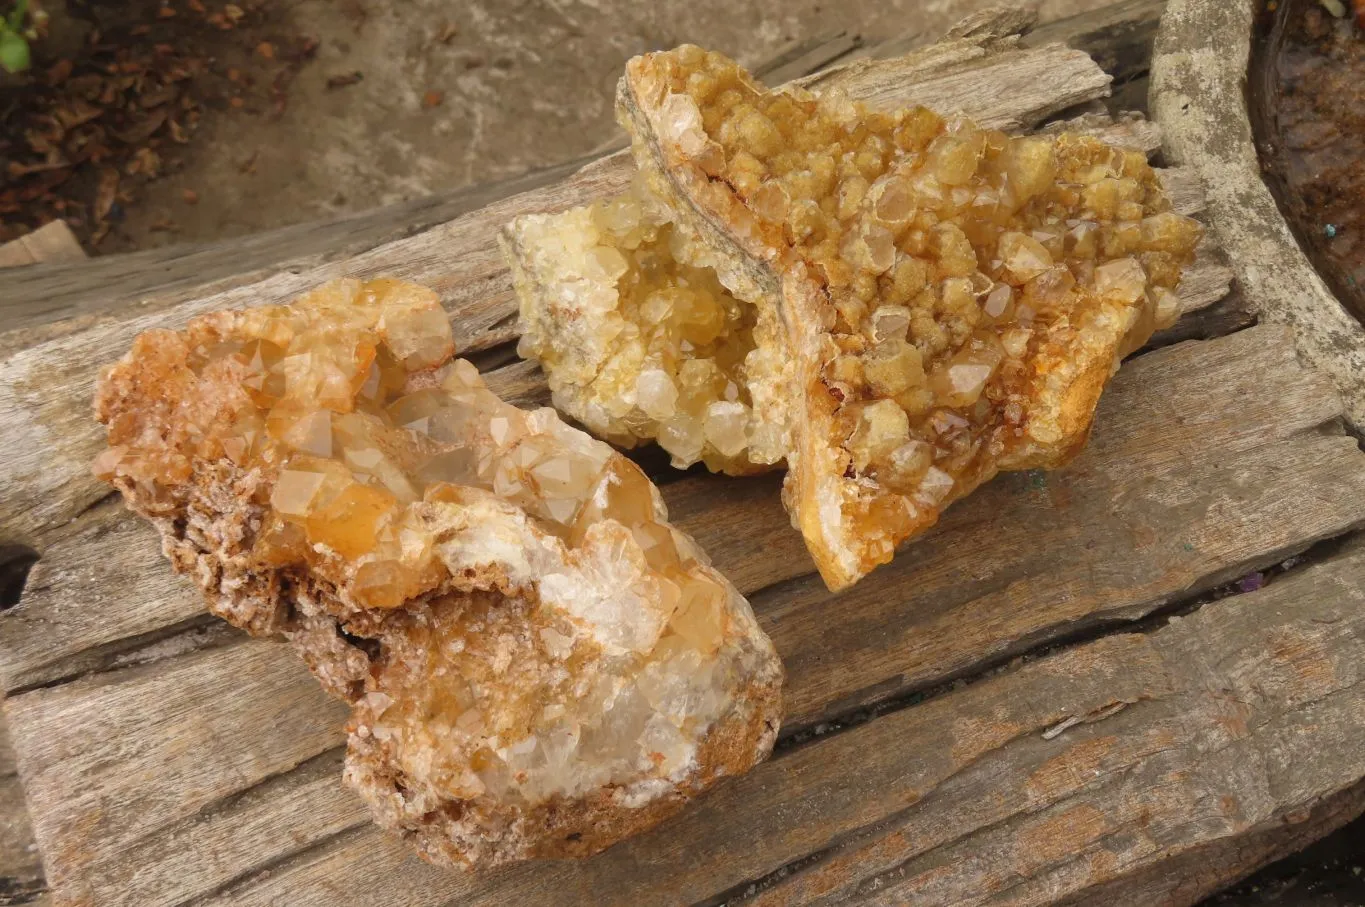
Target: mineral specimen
{"type": "Point", "coordinates": [538, 663]}
{"type": "Point", "coordinates": [897, 304]}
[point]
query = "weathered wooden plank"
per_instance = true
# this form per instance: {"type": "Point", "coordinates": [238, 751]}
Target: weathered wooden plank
{"type": "Point", "coordinates": [1180, 489]}
{"type": "Point", "coordinates": [1202, 871]}
{"type": "Point", "coordinates": [1118, 36]}
{"type": "Point", "coordinates": [211, 846]}
{"type": "Point", "coordinates": [958, 77]}
{"type": "Point", "coordinates": [1222, 724]}
{"type": "Point", "coordinates": [158, 744]}
{"type": "Point", "coordinates": [1227, 315]}
{"type": "Point", "coordinates": [21, 868]}
{"type": "Point", "coordinates": [1268, 726]}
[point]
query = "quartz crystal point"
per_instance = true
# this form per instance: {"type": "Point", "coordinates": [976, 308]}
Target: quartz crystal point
{"type": "Point", "coordinates": [928, 303]}
{"type": "Point", "coordinates": [538, 664]}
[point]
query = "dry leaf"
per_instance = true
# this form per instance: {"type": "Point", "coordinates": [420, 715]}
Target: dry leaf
{"type": "Point", "coordinates": [77, 114]}
{"type": "Point", "coordinates": [191, 197]}
{"type": "Point", "coordinates": [144, 161]}
{"type": "Point", "coordinates": [17, 170]}
{"type": "Point", "coordinates": [158, 96]}
{"type": "Point", "coordinates": [59, 72]}
{"type": "Point", "coordinates": [265, 50]}
{"type": "Point", "coordinates": [141, 132]}
{"type": "Point", "coordinates": [106, 192]}
{"type": "Point", "coordinates": [341, 81]}
{"type": "Point", "coordinates": [433, 99]}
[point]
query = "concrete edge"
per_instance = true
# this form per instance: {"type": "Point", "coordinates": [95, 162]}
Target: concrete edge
{"type": "Point", "coordinates": [1198, 97]}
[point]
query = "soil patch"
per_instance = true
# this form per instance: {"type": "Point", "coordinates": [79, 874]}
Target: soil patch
{"type": "Point", "coordinates": [115, 98]}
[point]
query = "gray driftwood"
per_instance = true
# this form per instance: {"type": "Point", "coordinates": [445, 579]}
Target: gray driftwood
{"type": "Point", "coordinates": [998, 717]}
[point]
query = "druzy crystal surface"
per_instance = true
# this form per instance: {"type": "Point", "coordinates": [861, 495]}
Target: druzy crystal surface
{"type": "Point", "coordinates": [905, 304]}
{"type": "Point", "coordinates": [538, 663]}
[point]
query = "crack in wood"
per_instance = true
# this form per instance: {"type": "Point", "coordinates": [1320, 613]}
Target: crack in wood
{"type": "Point", "coordinates": [283, 860]}
{"type": "Point", "coordinates": [794, 737]}
{"type": "Point", "coordinates": [193, 634]}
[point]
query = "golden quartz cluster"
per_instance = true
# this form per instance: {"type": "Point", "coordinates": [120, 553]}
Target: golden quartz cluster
{"type": "Point", "coordinates": [538, 663]}
{"type": "Point", "coordinates": [896, 305]}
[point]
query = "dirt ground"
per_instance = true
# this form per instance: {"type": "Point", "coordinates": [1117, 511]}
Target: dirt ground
{"type": "Point", "coordinates": [399, 100]}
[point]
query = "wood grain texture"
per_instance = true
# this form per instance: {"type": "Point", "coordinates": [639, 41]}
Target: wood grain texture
{"type": "Point", "coordinates": [21, 868]}
{"type": "Point", "coordinates": [160, 744]}
{"type": "Point", "coordinates": [1225, 723]}
{"type": "Point", "coordinates": [1204, 870]}
{"type": "Point", "coordinates": [1178, 491]}
{"type": "Point", "coordinates": [1257, 721]}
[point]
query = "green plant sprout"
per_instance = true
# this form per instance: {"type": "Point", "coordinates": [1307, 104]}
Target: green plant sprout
{"type": "Point", "coordinates": [14, 50]}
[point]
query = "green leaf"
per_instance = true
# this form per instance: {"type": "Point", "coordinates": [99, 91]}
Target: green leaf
{"type": "Point", "coordinates": [16, 16]}
{"type": "Point", "coordinates": [14, 55]}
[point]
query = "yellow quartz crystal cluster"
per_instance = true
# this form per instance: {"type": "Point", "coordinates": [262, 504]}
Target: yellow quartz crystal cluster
{"type": "Point", "coordinates": [636, 345]}
{"type": "Point", "coordinates": [928, 302]}
{"type": "Point", "coordinates": [538, 663]}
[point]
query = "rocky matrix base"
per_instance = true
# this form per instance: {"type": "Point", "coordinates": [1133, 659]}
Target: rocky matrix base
{"type": "Point", "coordinates": [538, 664]}
{"type": "Point", "coordinates": [898, 305]}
